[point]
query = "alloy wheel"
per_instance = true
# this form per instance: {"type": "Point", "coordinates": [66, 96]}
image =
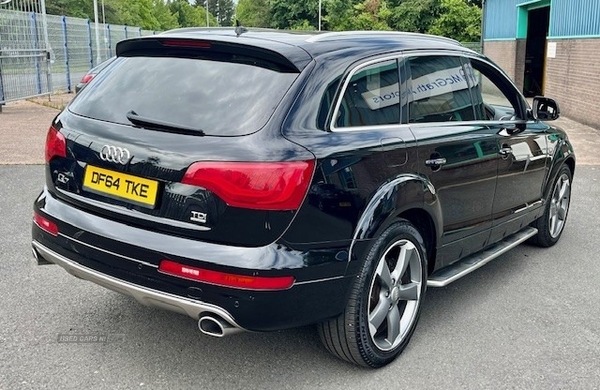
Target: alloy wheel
{"type": "Point", "coordinates": [394, 294]}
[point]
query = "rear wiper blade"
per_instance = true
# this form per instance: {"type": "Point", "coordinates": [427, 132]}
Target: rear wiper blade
{"type": "Point", "coordinates": [156, 124]}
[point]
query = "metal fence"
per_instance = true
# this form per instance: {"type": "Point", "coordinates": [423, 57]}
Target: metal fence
{"type": "Point", "coordinates": [74, 50]}
{"type": "Point", "coordinates": [475, 46]}
{"type": "Point", "coordinates": [24, 60]}
{"type": "Point", "coordinates": [47, 54]}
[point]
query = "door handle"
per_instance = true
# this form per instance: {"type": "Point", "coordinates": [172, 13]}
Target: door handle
{"type": "Point", "coordinates": [505, 151]}
{"type": "Point", "coordinates": [435, 162]}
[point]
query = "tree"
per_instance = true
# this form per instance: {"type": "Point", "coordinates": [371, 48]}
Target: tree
{"type": "Point", "coordinates": [478, 3]}
{"type": "Point", "coordinates": [138, 13]}
{"type": "Point", "coordinates": [223, 10]}
{"type": "Point", "coordinates": [414, 15]}
{"type": "Point", "coordinates": [353, 15]}
{"type": "Point", "coordinates": [74, 8]}
{"type": "Point", "coordinates": [293, 14]}
{"type": "Point", "coordinates": [338, 14]}
{"type": "Point", "coordinates": [164, 16]}
{"type": "Point", "coordinates": [458, 20]}
{"type": "Point", "coordinates": [189, 16]}
{"type": "Point", "coordinates": [253, 13]}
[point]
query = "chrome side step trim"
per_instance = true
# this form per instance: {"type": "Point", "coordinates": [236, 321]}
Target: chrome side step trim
{"type": "Point", "coordinates": [449, 274]}
{"type": "Point", "coordinates": [145, 296]}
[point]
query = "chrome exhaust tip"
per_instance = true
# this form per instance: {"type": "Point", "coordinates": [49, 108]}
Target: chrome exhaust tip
{"type": "Point", "coordinates": [215, 326]}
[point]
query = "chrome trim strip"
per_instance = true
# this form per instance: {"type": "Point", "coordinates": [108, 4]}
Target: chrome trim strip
{"type": "Point", "coordinates": [317, 280]}
{"type": "Point", "coordinates": [143, 295]}
{"type": "Point", "coordinates": [412, 53]}
{"type": "Point", "coordinates": [357, 69]}
{"type": "Point", "coordinates": [109, 252]}
{"type": "Point", "coordinates": [477, 123]}
{"type": "Point", "coordinates": [356, 34]}
{"type": "Point", "coordinates": [475, 262]}
{"type": "Point", "coordinates": [527, 207]}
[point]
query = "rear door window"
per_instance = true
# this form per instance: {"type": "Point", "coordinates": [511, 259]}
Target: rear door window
{"type": "Point", "coordinates": [219, 98]}
{"type": "Point", "coordinates": [371, 97]}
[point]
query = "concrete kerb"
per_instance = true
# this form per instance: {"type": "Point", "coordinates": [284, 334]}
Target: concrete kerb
{"type": "Point", "coordinates": [24, 124]}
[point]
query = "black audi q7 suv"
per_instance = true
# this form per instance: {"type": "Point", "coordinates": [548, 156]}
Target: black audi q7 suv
{"type": "Point", "coordinates": [266, 180]}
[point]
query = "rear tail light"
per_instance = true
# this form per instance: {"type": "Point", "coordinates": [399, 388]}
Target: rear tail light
{"type": "Point", "coordinates": [56, 144]}
{"type": "Point", "coordinates": [254, 185]}
{"type": "Point", "coordinates": [226, 279]}
{"type": "Point", "coordinates": [45, 224]}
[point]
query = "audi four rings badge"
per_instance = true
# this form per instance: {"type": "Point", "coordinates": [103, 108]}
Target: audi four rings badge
{"type": "Point", "coordinates": [115, 154]}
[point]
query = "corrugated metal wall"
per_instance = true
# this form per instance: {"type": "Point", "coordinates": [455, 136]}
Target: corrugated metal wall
{"type": "Point", "coordinates": [568, 18]}
{"type": "Point", "coordinates": [574, 18]}
{"type": "Point", "coordinates": [501, 19]}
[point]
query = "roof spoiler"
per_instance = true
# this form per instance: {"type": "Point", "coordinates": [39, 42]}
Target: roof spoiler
{"type": "Point", "coordinates": [205, 47]}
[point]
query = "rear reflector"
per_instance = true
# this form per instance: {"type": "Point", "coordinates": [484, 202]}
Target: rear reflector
{"type": "Point", "coordinates": [45, 224]}
{"type": "Point", "coordinates": [254, 185]}
{"type": "Point", "coordinates": [56, 144]}
{"type": "Point", "coordinates": [226, 279]}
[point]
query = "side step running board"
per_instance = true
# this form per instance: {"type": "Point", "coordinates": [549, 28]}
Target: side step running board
{"type": "Point", "coordinates": [449, 274]}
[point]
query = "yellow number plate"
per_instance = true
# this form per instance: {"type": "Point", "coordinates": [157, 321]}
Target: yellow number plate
{"type": "Point", "coordinates": [132, 188]}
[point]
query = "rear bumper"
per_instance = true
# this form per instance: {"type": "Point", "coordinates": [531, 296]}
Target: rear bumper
{"type": "Point", "coordinates": [145, 296]}
{"type": "Point", "coordinates": [125, 259]}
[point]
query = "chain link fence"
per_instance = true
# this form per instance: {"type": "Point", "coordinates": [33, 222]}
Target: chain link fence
{"type": "Point", "coordinates": [475, 46]}
{"type": "Point", "coordinates": [42, 54]}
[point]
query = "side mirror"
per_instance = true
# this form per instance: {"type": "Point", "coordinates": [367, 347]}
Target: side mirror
{"type": "Point", "coordinates": [545, 109]}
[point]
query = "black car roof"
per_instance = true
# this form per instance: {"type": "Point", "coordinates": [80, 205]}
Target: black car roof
{"type": "Point", "coordinates": [301, 47]}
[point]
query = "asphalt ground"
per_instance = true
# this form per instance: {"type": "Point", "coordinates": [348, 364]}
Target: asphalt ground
{"type": "Point", "coordinates": [528, 320]}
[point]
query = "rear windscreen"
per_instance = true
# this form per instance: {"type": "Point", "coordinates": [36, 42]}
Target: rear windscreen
{"type": "Point", "coordinates": [215, 97]}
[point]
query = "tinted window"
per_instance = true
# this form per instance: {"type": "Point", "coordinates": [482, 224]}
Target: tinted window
{"type": "Point", "coordinates": [372, 97]}
{"type": "Point", "coordinates": [439, 90]}
{"type": "Point", "coordinates": [220, 98]}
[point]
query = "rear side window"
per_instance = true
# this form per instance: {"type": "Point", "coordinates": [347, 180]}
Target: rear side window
{"type": "Point", "coordinates": [372, 97]}
{"type": "Point", "coordinates": [439, 90]}
{"type": "Point", "coordinates": [218, 98]}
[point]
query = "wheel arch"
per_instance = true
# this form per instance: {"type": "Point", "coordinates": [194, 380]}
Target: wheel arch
{"type": "Point", "coordinates": [410, 197]}
{"type": "Point", "coordinates": [425, 224]}
{"type": "Point", "coordinates": [564, 155]}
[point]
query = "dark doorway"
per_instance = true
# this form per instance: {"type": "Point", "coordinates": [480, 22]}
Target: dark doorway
{"type": "Point", "coordinates": [538, 22]}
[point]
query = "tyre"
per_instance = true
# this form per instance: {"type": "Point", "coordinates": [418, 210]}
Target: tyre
{"type": "Point", "coordinates": [385, 301]}
{"type": "Point", "coordinates": [552, 223]}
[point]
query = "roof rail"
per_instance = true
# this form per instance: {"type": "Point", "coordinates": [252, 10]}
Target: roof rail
{"type": "Point", "coordinates": [198, 29]}
{"type": "Point", "coordinates": [353, 34]}
{"type": "Point", "coordinates": [232, 30]}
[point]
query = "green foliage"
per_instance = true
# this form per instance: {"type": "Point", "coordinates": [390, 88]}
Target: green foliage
{"type": "Point", "coordinates": [290, 14]}
{"type": "Point", "coordinates": [303, 25]}
{"type": "Point", "coordinates": [338, 14]}
{"type": "Point", "coordinates": [138, 13]}
{"type": "Point", "coordinates": [458, 20]}
{"type": "Point", "coordinates": [74, 8]}
{"type": "Point", "coordinates": [415, 15]}
{"type": "Point", "coordinates": [222, 10]}
{"type": "Point", "coordinates": [357, 15]}
{"type": "Point", "coordinates": [189, 16]}
{"type": "Point", "coordinates": [166, 19]}
{"type": "Point", "coordinates": [253, 13]}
